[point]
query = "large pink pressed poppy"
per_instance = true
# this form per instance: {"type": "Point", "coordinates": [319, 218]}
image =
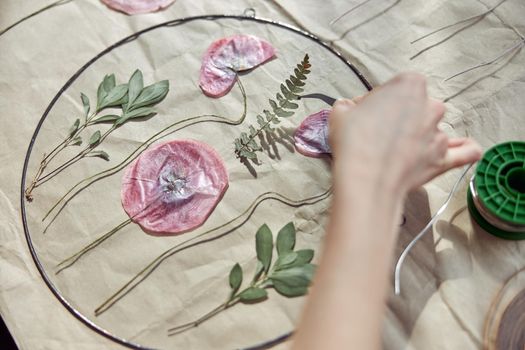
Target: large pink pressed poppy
{"type": "Point", "coordinates": [135, 7]}
{"type": "Point", "coordinates": [173, 187]}
{"type": "Point", "coordinates": [228, 56]}
{"type": "Point", "coordinates": [311, 137]}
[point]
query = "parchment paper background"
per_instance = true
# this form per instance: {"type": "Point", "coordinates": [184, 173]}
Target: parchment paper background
{"type": "Point", "coordinates": [450, 278]}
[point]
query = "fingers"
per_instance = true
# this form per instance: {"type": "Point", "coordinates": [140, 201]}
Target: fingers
{"type": "Point", "coordinates": [436, 111]}
{"type": "Point", "coordinates": [463, 151]}
{"type": "Point", "coordinates": [337, 120]}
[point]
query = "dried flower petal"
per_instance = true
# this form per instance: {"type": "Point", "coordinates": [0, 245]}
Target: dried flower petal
{"type": "Point", "coordinates": [311, 137]}
{"type": "Point", "coordinates": [135, 7]}
{"type": "Point", "coordinates": [174, 187]}
{"type": "Point", "coordinates": [225, 57]}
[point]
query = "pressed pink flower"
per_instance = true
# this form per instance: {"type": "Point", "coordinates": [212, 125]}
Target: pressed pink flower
{"type": "Point", "coordinates": [228, 56]}
{"type": "Point", "coordinates": [173, 187]}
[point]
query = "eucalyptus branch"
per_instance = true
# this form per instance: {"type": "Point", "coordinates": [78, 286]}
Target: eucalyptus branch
{"type": "Point", "coordinates": [290, 275]}
{"type": "Point", "coordinates": [169, 130]}
{"type": "Point", "coordinates": [238, 221]}
{"type": "Point", "coordinates": [246, 145]}
{"type": "Point", "coordinates": [133, 99]}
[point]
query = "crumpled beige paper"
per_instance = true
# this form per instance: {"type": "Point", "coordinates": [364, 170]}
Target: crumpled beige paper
{"type": "Point", "coordinates": [451, 276]}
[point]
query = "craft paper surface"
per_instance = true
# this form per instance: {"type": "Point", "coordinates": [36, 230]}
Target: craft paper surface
{"type": "Point", "coordinates": [452, 275]}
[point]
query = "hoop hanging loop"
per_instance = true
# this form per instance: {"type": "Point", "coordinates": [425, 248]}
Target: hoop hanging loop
{"type": "Point", "coordinates": [249, 12]}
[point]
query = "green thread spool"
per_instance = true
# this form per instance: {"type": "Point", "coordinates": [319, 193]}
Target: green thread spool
{"type": "Point", "coordinates": [496, 196]}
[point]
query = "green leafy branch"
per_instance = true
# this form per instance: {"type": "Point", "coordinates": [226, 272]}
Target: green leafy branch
{"type": "Point", "coordinates": [290, 275]}
{"type": "Point", "coordinates": [131, 100]}
{"type": "Point", "coordinates": [246, 144]}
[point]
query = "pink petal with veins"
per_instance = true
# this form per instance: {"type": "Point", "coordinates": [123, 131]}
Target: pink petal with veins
{"type": "Point", "coordinates": [311, 137]}
{"type": "Point", "coordinates": [228, 56]}
{"type": "Point", "coordinates": [173, 187]}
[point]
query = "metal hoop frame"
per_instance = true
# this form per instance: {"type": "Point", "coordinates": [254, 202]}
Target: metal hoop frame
{"type": "Point", "coordinates": [248, 16]}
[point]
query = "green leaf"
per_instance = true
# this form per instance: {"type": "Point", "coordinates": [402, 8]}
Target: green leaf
{"type": "Point", "coordinates": [289, 105]}
{"type": "Point", "coordinates": [253, 294]}
{"type": "Point", "coordinates": [269, 115]}
{"type": "Point", "coordinates": [114, 97]}
{"type": "Point", "coordinates": [299, 75]}
{"type": "Point", "coordinates": [235, 277]}
{"type": "Point", "coordinates": [109, 82]}
{"type": "Point", "coordinates": [152, 94]}
{"type": "Point", "coordinates": [253, 145]}
{"type": "Point", "coordinates": [135, 86]}
{"type": "Point", "coordinates": [237, 143]}
{"type": "Point", "coordinates": [287, 93]}
{"type": "Point", "coordinates": [74, 128]}
{"type": "Point", "coordinates": [244, 138]}
{"type": "Point", "coordinates": [248, 154]}
{"type": "Point", "coordinates": [284, 260]}
{"type": "Point", "coordinates": [99, 154]}
{"type": "Point", "coordinates": [304, 256]}
{"type": "Point", "coordinates": [85, 103]}
{"type": "Point", "coordinates": [296, 81]}
{"type": "Point", "coordinates": [77, 141]}
{"type": "Point", "coordinates": [264, 246]}
{"type": "Point", "coordinates": [285, 241]}
{"type": "Point", "coordinates": [259, 269]}
{"type": "Point", "coordinates": [273, 104]}
{"type": "Point", "coordinates": [281, 113]}
{"type": "Point", "coordinates": [134, 114]}
{"type": "Point", "coordinates": [105, 119]}
{"type": "Point", "coordinates": [289, 291]}
{"type": "Point", "coordinates": [294, 281]}
{"type": "Point", "coordinates": [105, 86]}
{"type": "Point", "coordinates": [95, 138]}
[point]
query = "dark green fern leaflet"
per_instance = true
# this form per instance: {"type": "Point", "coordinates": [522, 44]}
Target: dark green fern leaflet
{"type": "Point", "coordinates": [246, 145]}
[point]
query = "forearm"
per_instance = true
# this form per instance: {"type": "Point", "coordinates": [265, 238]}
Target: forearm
{"type": "Point", "coordinates": [347, 300]}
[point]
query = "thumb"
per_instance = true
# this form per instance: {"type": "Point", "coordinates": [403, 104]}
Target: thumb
{"type": "Point", "coordinates": [337, 120]}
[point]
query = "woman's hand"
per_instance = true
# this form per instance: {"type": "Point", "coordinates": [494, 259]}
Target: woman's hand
{"type": "Point", "coordinates": [383, 145]}
{"type": "Point", "coordinates": [391, 136]}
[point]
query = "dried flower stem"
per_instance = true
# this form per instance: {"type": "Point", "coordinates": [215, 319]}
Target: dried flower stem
{"type": "Point", "coordinates": [83, 153]}
{"type": "Point", "coordinates": [47, 158]}
{"type": "Point", "coordinates": [505, 52]}
{"type": "Point", "coordinates": [182, 328]}
{"type": "Point", "coordinates": [335, 20]}
{"type": "Point", "coordinates": [64, 264]}
{"type": "Point", "coordinates": [468, 19]}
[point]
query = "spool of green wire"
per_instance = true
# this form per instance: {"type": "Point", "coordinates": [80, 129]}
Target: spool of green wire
{"type": "Point", "coordinates": [496, 196]}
